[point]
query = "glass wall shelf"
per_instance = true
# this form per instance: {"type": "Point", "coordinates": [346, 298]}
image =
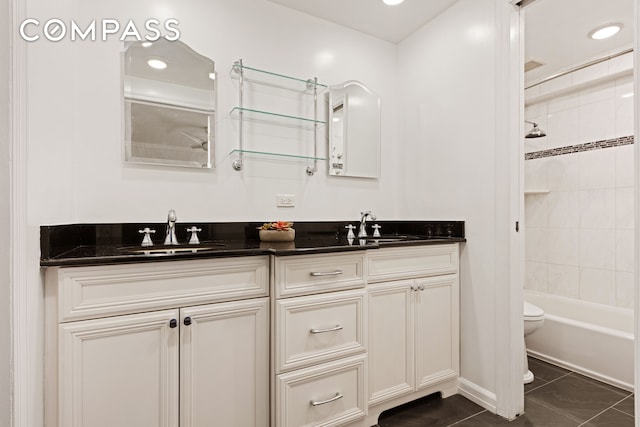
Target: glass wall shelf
{"type": "Point", "coordinates": [310, 86]}
{"type": "Point", "coordinates": [266, 153]}
{"type": "Point", "coordinates": [275, 118]}
{"type": "Point", "coordinates": [274, 79]}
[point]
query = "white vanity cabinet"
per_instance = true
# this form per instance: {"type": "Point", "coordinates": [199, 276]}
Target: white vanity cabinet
{"type": "Point", "coordinates": [319, 334]}
{"type": "Point", "coordinates": [413, 298]}
{"type": "Point", "coordinates": [195, 343]}
{"type": "Point", "coordinates": [180, 343]}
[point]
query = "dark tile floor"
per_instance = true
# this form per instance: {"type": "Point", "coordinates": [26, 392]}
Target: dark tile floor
{"type": "Point", "coordinates": [556, 398]}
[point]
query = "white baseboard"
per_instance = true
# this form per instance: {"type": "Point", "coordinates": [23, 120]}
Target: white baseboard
{"type": "Point", "coordinates": [477, 395]}
{"type": "Point", "coordinates": [582, 370]}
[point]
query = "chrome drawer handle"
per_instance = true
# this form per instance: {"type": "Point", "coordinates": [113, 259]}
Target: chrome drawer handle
{"type": "Point", "coordinates": [322, 402]}
{"type": "Point", "coordinates": [325, 273]}
{"type": "Point", "coordinates": [321, 331]}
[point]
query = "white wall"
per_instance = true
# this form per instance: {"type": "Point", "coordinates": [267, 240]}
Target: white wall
{"type": "Point", "coordinates": [75, 141]}
{"type": "Point", "coordinates": [448, 91]}
{"type": "Point", "coordinates": [580, 230]}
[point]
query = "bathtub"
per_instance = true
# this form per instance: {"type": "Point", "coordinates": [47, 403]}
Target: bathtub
{"type": "Point", "coordinates": [593, 339]}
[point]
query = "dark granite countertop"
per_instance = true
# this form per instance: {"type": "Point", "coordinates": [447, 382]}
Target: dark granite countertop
{"type": "Point", "coordinates": [94, 244]}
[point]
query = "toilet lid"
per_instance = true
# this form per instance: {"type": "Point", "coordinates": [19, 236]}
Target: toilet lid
{"type": "Point", "coordinates": [532, 312]}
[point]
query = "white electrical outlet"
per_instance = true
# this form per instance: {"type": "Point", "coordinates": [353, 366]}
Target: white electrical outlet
{"type": "Point", "coordinates": [285, 200]}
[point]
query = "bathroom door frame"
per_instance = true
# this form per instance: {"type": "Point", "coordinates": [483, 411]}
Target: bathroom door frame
{"type": "Point", "coordinates": [636, 192]}
{"type": "Point", "coordinates": [509, 194]}
{"type": "Point", "coordinates": [636, 67]}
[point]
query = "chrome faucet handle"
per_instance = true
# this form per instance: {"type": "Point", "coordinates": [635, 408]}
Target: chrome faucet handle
{"type": "Point", "coordinates": [193, 240]}
{"type": "Point", "coordinates": [376, 230]}
{"type": "Point", "coordinates": [350, 234]}
{"type": "Point", "coordinates": [146, 240]}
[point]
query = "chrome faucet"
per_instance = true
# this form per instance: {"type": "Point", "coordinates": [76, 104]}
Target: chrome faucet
{"type": "Point", "coordinates": [362, 232]}
{"type": "Point", "coordinates": [170, 237]}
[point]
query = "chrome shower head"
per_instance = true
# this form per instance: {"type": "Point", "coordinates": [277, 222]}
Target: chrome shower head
{"type": "Point", "coordinates": [535, 131]}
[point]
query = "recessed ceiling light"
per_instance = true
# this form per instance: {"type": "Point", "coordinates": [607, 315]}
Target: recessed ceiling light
{"type": "Point", "coordinates": [146, 44]}
{"type": "Point", "coordinates": [392, 2]}
{"type": "Point", "coordinates": [605, 31]}
{"type": "Point", "coordinates": [157, 64]}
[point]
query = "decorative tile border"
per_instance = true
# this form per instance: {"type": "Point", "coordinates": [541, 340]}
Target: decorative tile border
{"type": "Point", "coordinates": [596, 145]}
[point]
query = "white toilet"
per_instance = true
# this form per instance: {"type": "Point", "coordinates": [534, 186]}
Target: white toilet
{"type": "Point", "coordinates": [533, 320]}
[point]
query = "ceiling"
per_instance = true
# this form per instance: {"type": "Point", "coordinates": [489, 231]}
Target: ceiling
{"type": "Point", "coordinates": [555, 30]}
{"type": "Point", "coordinates": [556, 33]}
{"type": "Point", "coordinates": [391, 23]}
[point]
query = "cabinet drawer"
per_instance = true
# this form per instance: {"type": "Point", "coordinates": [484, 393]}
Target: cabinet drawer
{"type": "Point", "coordinates": [331, 394]}
{"type": "Point", "coordinates": [308, 274]}
{"type": "Point", "coordinates": [99, 291]}
{"type": "Point", "coordinates": [416, 261]}
{"type": "Point", "coordinates": [318, 328]}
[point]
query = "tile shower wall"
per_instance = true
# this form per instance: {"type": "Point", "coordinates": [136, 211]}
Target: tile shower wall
{"type": "Point", "coordinates": [579, 186]}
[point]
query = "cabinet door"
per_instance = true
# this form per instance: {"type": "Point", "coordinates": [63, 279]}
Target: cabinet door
{"type": "Point", "coordinates": [436, 330]}
{"type": "Point", "coordinates": [391, 346]}
{"type": "Point", "coordinates": [224, 365]}
{"type": "Point", "coordinates": [119, 371]}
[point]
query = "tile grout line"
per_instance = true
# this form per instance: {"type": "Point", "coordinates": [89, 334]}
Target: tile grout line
{"type": "Point", "coordinates": [553, 408]}
{"type": "Point", "coordinates": [553, 380]}
{"type": "Point", "coordinates": [536, 388]}
{"type": "Point", "coordinates": [582, 423]}
{"type": "Point", "coordinates": [605, 410]}
{"type": "Point", "coordinates": [623, 412]}
{"type": "Point", "coordinates": [579, 422]}
{"type": "Point", "coordinates": [468, 418]}
{"type": "Point", "coordinates": [557, 410]}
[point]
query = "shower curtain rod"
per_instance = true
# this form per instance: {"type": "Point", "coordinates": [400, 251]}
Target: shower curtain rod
{"type": "Point", "coordinates": [579, 67]}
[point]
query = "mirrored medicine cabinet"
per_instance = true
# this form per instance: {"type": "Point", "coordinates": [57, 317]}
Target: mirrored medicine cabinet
{"type": "Point", "coordinates": [169, 104]}
{"type": "Point", "coordinates": [354, 131]}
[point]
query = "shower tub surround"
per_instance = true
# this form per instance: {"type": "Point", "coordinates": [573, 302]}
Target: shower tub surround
{"type": "Point", "coordinates": [579, 220]}
{"type": "Point", "coordinates": [593, 339]}
{"type": "Point", "coordinates": [579, 183]}
{"type": "Point", "coordinates": [579, 223]}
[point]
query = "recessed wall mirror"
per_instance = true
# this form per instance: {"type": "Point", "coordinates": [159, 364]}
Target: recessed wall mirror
{"type": "Point", "coordinates": [169, 104]}
{"type": "Point", "coordinates": [354, 131]}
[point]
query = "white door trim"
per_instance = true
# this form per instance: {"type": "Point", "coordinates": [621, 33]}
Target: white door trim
{"type": "Point", "coordinates": [509, 195]}
{"type": "Point", "coordinates": [636, 151]}
{"type": "Point", "coordinates": [22, 359]}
